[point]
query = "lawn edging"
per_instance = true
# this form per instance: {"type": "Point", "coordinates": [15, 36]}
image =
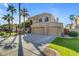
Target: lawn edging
{"type": "Point", "coordinates": [50, 52]}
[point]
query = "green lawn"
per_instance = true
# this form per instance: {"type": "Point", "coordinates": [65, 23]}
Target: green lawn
{"type": "Point", "coordinates": [63, 51]}
{"type": "Point", "coordinates": [64, 44]}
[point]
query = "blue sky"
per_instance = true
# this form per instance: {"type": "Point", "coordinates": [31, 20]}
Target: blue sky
{"type": "Point", "coordinates": [61, 10]}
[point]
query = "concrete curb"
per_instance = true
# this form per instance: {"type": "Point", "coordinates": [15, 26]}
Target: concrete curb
{"type": "Point", "coordinates": [50, 52]}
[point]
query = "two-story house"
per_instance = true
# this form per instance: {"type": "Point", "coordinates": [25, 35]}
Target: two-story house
{"type": "Point", "coordinates": [46, 24]}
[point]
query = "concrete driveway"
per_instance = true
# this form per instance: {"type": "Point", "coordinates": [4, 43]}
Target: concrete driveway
{"type": "Point", "coordinates": [39, 39]}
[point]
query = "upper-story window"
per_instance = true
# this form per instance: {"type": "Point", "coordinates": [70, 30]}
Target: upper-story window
{"type": "Point", "coordinates": [46, 19]}
{"type": "Point", "coordinates": [40, 20]}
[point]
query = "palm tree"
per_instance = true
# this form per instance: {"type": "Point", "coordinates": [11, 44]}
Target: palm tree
{"type": "Point", "coordinates": [76, 22]}
{"type": "Point", "coordinates": [12, 9]}
{"type": "Point", "coordinates": [8, 18]}
{"type": "Point", "coordinates": [24, 14]}
{"type": "Point", "coordinates": [72, 18]}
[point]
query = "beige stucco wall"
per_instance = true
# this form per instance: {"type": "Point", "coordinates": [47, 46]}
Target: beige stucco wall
{"type": "Point", "coordinates": [48, 29]}
{"type": "Point", "coordinates": [36, 18]}
{"type": "Point", "coordinates": [52, 27]}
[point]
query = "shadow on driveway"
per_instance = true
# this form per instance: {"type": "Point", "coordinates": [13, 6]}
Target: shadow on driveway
{"type": "Point", "coordinates": [9, 45]}
{"type": "Point", "coordinates": [5, 38]}
{"type": "Point", "coordinates": [20, 48]}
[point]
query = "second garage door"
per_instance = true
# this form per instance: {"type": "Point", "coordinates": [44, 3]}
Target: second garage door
{"type": "Point", "coordinates": [53, 30]}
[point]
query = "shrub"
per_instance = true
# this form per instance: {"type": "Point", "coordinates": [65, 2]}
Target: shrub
{"type": "Point", "coordinates": [2, 33]}
{"type": "Point", "coordinates": [73, 33]}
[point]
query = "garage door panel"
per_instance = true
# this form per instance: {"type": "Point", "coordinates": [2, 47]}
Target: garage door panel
{"type": "Point", "coordinates": [53, 30]}
{"type": "Point", "coordinates": [38, 30]}
{"type": "Point", "coordinates": [46, 30]}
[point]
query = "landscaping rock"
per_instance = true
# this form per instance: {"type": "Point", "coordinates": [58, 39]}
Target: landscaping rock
{"type": "Point", "coordinates": [50, 52]}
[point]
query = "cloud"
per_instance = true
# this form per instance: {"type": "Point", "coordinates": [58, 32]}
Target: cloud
{"type": "Point", "coordinates": [6, 5]}
{"type": "Point", "coordinates": [76, 10]}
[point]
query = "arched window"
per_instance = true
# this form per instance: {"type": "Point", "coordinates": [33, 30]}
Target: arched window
{"type": "Point", "coordinates": [46, 19]}
{"type": "Point", "coordinates": [40, 20]}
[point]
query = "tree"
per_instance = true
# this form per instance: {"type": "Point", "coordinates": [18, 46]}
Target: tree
{"type": "Point", "coordinates": [24, 14]}
{"type": "Point", "coordinates": [12, 9]}
{"type": "Point", "coordinates": [71, 18]}
{"type": "Point", "coordinates": [8, 18]}
{"type": "Point", "coordinates": [76, 22]}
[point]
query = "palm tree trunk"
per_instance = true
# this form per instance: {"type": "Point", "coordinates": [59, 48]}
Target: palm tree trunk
{"type": "Point", "coordinates": [71, 24]}
{"type": "Point", "coordinates": [12, 16]}
{"type": "Point", "coordinates": [24, 24]}
{"type": "Point", "coordinates": [76, 23]}
{"type": "Point", "coordinates": [9, 27]}
{"type": "Point", "coordinates": [12, 23]}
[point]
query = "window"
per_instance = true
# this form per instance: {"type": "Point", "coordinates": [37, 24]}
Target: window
{"type": "Point", "coordinates": [40, 20]}
{"type": "Point", "coordinates": [46, 19]}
